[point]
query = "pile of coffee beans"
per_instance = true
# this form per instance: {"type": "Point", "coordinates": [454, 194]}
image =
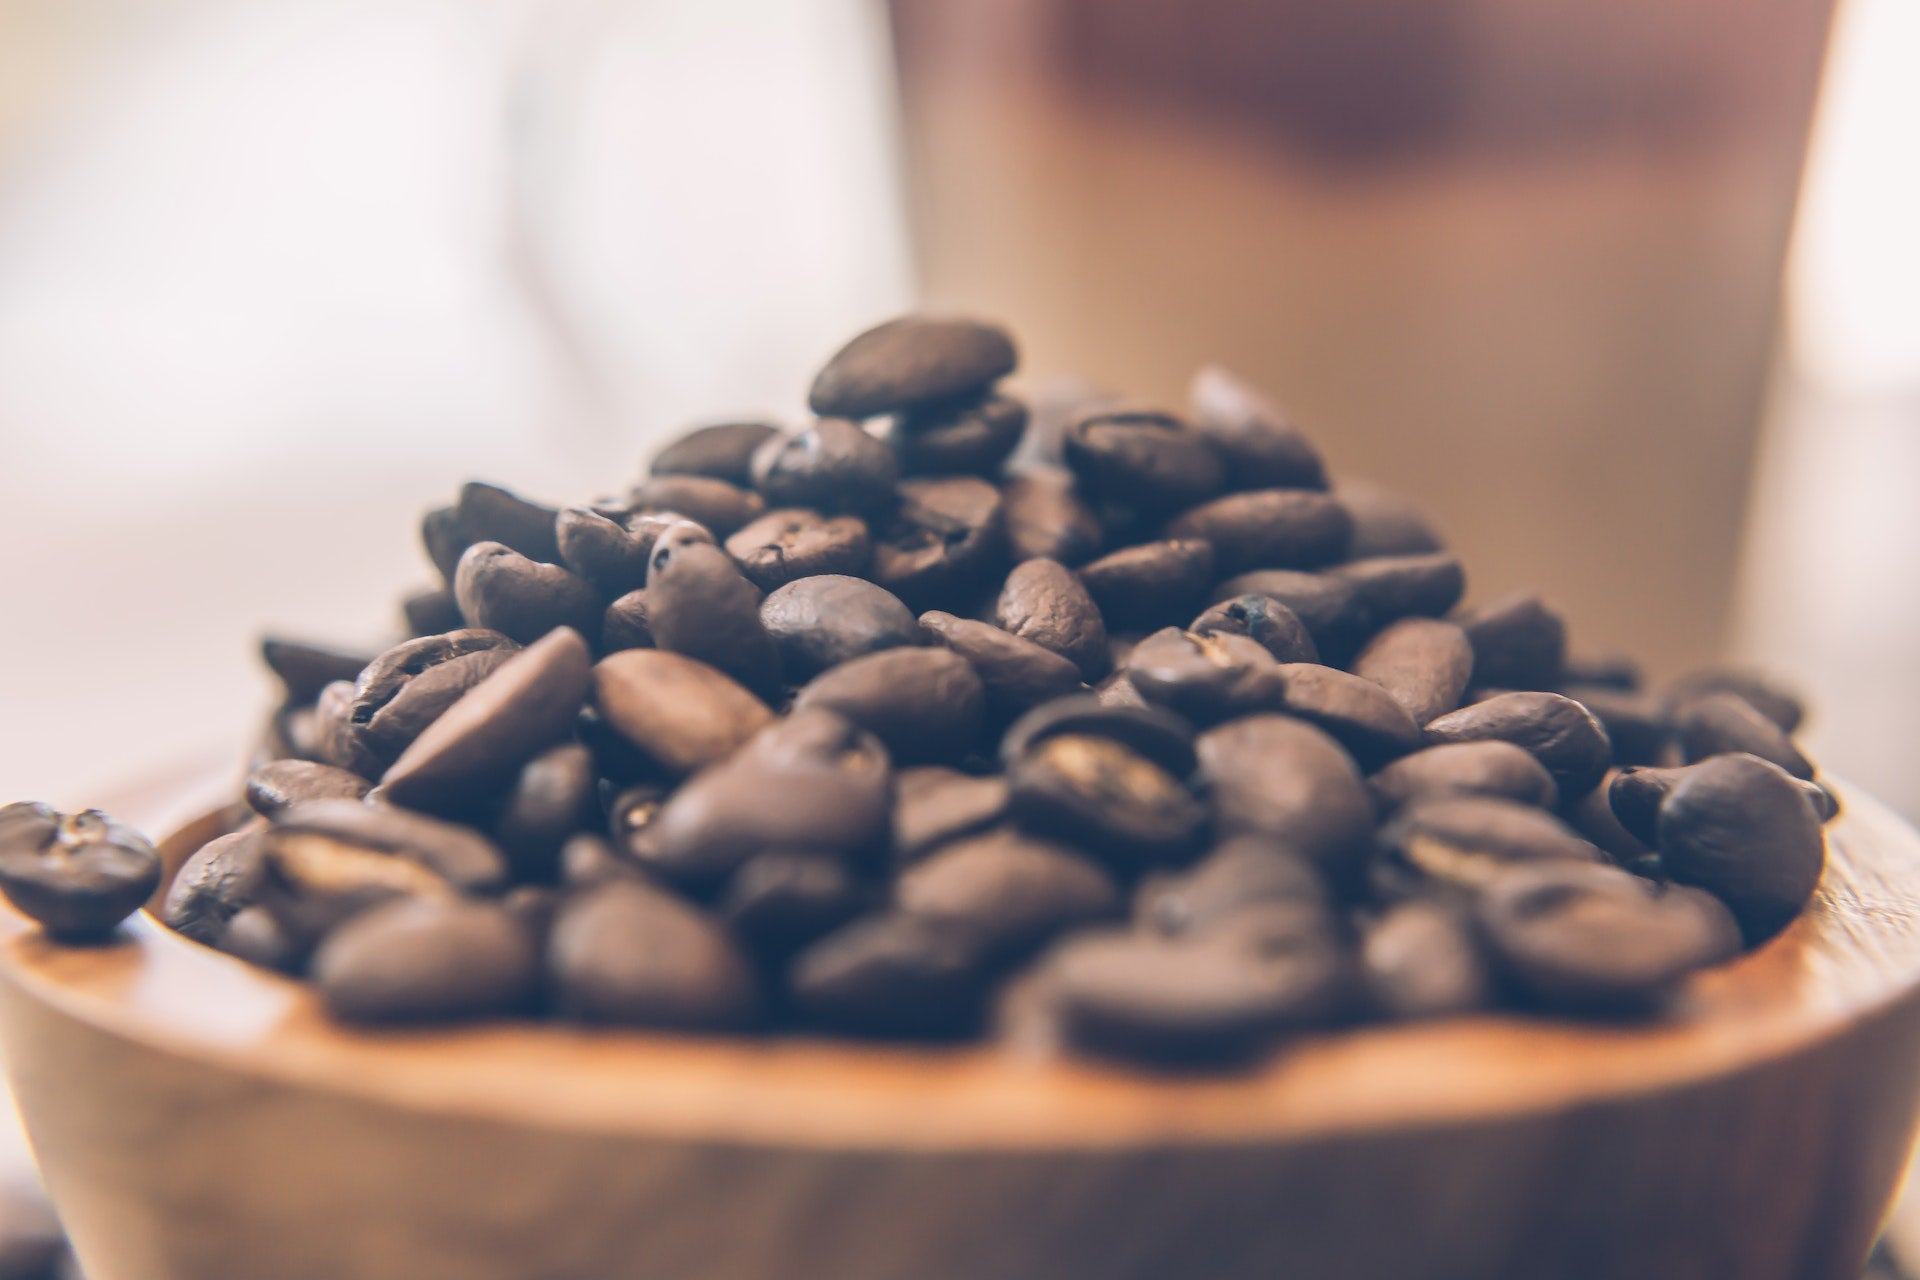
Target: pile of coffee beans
{"type": "Point", "coordinates": [943, 713]}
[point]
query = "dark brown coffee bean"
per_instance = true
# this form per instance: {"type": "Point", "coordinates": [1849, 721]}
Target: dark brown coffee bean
{"type": "Point", "coordinates": [894, 975]}
{"type": "Point", "coordinates": [1263, 619]}
{"type": "Point", "coordinates": [779, 902]}
{"type": "Point", "coordinates": [1205, 678]}
{"type": "Point", "coordinates": [1154, 584]}
{"type": "Point", "coordinates": [1602, 670]}
{"type": "Point", "coordinates": [412, 684]}
{"type": "Point", "coordinates": [1422, 960]}
{"type": "Point", "coordinates": [78, 874]}
{"type": "Point", "coordinates": [699, 605]}
{"type": "Point", "coordinates": [1154, 732]}
{"type": "Point", "coordinates": [909, 361]}
{"type": "Point", "coordinates": [625, 625]}
{"type": "Point", "coordinates": [1463, 842]}
{"type": "Point", "coordinates": [945, 540]}
{"type": "Point", "coordinates": [1518, 643]}
{"type": "Point", "coordinates": [715, 505]}
{"type": "Point", "coordinates": [1016, 672]}
{"type": "Point", "coordinates": [1259, 443]}
{"type": "Point", "coordinates": [1269, 529]}
{"type": "Point", "coordinates": [1491, 768]}
{"type": "Point", "coordinates": [1046, 519]}
{"type": "Point", "coordinates": [427, 960]}
{"type": "Point", "coordinates": [489, 513]}
{"type": "Point", "coordinates": [969, 436]}
{"type": "Point", "coordinates": [1423, 663]}
{"type": "Point", "coordinates": [1743, 829]}
{"type": "Point", "coordinates": [608, 554]}
{"type": "Point", "coordinates": [682, 714]}
{"type": "Point", "coordinates": [257, 936]}
{"type": "Point", "coordinates": [305, 669]}
{"type": "Point", "coordinates": [1393, 587]}
{"type": "Point", "coordinates": [792, 543]}
{"type": "Point", "coordinates": [1636, 723]}
{"type": "Point", "coordinates": [1596, 939]}
{"type": "Point", "coordinates": [478, 743]}
{"type": "Point", "coordinates": [1239, 874]}
{"type": "Point", "coordinates": [502, 590]}
{"type": "Point", "coordinates": [1275, 776]}
{"type": "Point", "coordinates": [431, 612]}
{"type": "Point", "coordinates": [1010, 891]}
{"type": "Point", "coordinates": [280, 783]}
{"type": "Point", "coordinates": [1141, 458]}
{"type": "Point", "coordinates": [1561, 734]}
{"type": "Point", "coordinates": [1115, 803]}
{"type": "Point", "coordinates": [1777, 704]}
{"type": "Point", "coordinates": [313, 881]}
{"type": "Point", "coordinates": [1043, 602]}
{"type": "Point", "coordinates": [630, 954]}
{"type": "Point", "coordinates": [335, 738]}
{"type": "Point", "coordinates": [444, 538]}
{"type": "Point", "coordinates": [1637, 793]}
{"type": "Point", "coordinates": [723, 451]}
{"type": "Point", "coordinates": [925, 704]}
{"type": "Point", "coordinates": [458, 854]}
{"type": "Point", "coordinates": [1361, 716]}
{"type": "Point", "coordinates": [213, 885]}
{"type": "Point", "coordinates": [555, 795]}
{"type": "Point", "coordinates": [934, 804]}
{"type": "Point", "coordinates": [1717, 723]}
{"type": "Point", "coordinates": [1329, 606]}
{"type": "Point", "coordinates": [820, 622]}
{"type": "Point", "coordinates": [831, 466]}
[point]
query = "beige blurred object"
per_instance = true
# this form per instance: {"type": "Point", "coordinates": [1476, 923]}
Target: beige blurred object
{"type": "Point", "coordinates": [1521, 261]}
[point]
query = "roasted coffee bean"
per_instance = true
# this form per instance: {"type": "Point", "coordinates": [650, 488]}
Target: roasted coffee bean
{"type": "Point", "coordinates": [969, 436]}
{"type": "Point", "coordinates": [1596, 939]}
{"type": "Point", "coordinates": [893, 975]}
{"type": "Point", "coordinates": [1154, 732]}
{"type": "Point", "coordinates": [1043, 602]}
{"type": "Point", "coordinates": [1518, 643]}
{"type": "Point", "coordinates": [555, 795]}
{"type": "Point", "coordinates": [1765, 696]}
{"type": "Point", "coordinates": [925, 704]}
{"type": "Point", "coordinates": [1422, 960]}
{"type": "Point", "coordinates": [1259, 443]}
{"type": "Point", "coordinates": [305, 669]}
{"type": "Point", "coordinates": [1717, 723]}
{"type": "Point", "coordinates": [1239, 874]}
{"type": "Point", "coordinates": [313, 881]}
{"type": "Point", "coordinates": [1263, 619]}
{"type": "Point", "coordinates": [1563, 735]}
{"type": "Point", "coordinates": [1363, 717]}
{"type": "Point", "coordinates": [909, 361]}
{"type": "Point", "coordinates": [1463, 842]}
{"type": "Point", "coordinates": [336, 739]}
{"type": "Point", "coordinates": [257, 936]}
{"type": "Point", "coordinates": [630, 954]}
{"type": "Point", "coordinates": [1384, 523]}
{"type": "Point", "coordinates": [1423, 662]}
{"type": "Point", "coordinates": [1492, 768]}
{"type": "Point", "coordinates": [682, 714]}
{"type": "Point", "coordinates": [1275, 776]}
{"type": "Point", "coordinates": [1205, 678]}
{"type": "Point", "coordinates": [1593, 817]}
{"type": "Point", "coordinates": [1046, 519]}
{"type": "Point", "coordinates": [793, 542]}
{"type": "Point", "coordinates": [1394, 587]}
{"type": "Point", "coordinates": [820, 622]}
{"type": "Point", "coordinates": [945, 540]}
{"type": "Point", "coordinates": [1602, 671]}
{"type": "Point", "coordinates": [213, 885]}
{"type": "Point", "coordinates": [1328, 605]}
{"type": "Point", "coordinates": [831, 466]}
{"type": "Point", "coordinates": [458, 854]}
{"type": "Point", "coordinates": [608, 554]}
{"type": "Point", "coordinates": [1154, 584]}
{"type": "Point", "coordinates": [625, 625]}
{"type": "Point", "coordinates": [1743, 829]}
{"type": "Point", "coordinates": [778, 903]}
{"type": "Point", "coordinates": [427, 960]}
{"type": "Point", "coordinates": [586, 860]}
{"type": "Point", "coordinates": [502, 590]}
{"type": "Point", "coordinates": [280, 783]}
{"type": "Point", "coordinates": [1096, 793]}
{"type": "Point", "coordinates": [77, 874]}
{"type": "Point", "coordinates": [1637, 793]}
{"type": "Point", "coordinates": [431, 612]}
{"type": "Point", "coordinates": [1017, 673]}
{"type": "Point", "coordinates": [723, 451]}
{"type": "Point", "coordinates": [715, 505]}
{"type": "Point", "coordinates": [489, 513]}
{"type": "Point", "coordinates": [1010, 891]}
{"type": "Point", "coordinates": [1269, 529]}
{"type": "Point", "coordinates": [525, 706]}
{"type": "Point", "coordinates": [698, 604]}
{"type": "Point", "coordinates": [412, 684]}
{"type": "Point", "coordinates": [444, 538]}
{"type": "Point", "coordinates": [1142, 458]}
{"type": "Point", "coordinates": [934, 805]}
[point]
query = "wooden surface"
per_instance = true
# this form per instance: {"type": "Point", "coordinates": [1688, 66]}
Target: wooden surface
{"type": "Point", "coordinates": [197, 1119]}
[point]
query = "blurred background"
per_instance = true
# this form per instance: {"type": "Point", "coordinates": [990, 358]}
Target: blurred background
{"type": "Point", "coordinates": [1625, 290]}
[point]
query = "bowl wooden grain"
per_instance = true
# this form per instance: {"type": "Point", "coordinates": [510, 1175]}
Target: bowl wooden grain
{"type": "Point", "coordinates": [197, 1119]}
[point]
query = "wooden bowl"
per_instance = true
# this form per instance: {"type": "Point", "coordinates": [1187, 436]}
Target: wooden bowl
{"type": "Point", "coordinates": [200, 1120]}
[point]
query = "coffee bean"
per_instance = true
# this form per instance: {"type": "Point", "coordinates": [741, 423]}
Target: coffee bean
{"type": "Point", "coordinates": [587, 861]}
{"type": "Point", "coordinates": [1205, 678]}
{"type": "Point", "coordinates": [413, 684]}
{"type": "Point", "coordinates": [1636, 723]}
{"type": "Point", "coordinates": [1258, 442]}
{"type": "Point", "coordinates": [1596, 939]}
{"type": "Point", "coordinates": [1384, 523]}
{"type": "Point", "coordinates": [555, 795]}
{"type": "Point", "coordinates": [1116, 803]}
{"type": "Point", "coordinates": [1359, 714]}
{"type": "Point", "coordinates": [1602, 670]}
{"type": "Point", "coordinates": [793, 543]}
{"type": "Point", "coordinates": [1717, 723]}
{"type": "Point", "coordinates": [257, 936]}
{"type": "Point", "coordinates": [682, 714]}
{"type": "Point", "coordinates": [1463, 842]}
{"type": "Point", "coordinates": [525, 706]}
{"type": "Point", "coordinates": [489, 513]}
{"type": "Point", "coordinates": [1151, 585]}
{"type": "Point", "coordinates": [1422, 960]}
{"type": "Point", "coordinates": [715, 505]}
{"type": "Point", "coordinates": [1143, 458]}
{"type": "Point", "coordinates": [1637, 793]}
{"type": "Point", "coordinates": [699, 605]}
{"type": "Point", "coordinates": [1269, 529]}
{"type": "Point", "coordinates": [893, 975]}
{"type": "Point", "coordinates": [946, 539]}
{"type": "Point", "coordinates": [1046, 519]}
{"type": "Point", "coordinates": [431, 612]}
{"type": "Point", "coordinates": [1518, 643]}
{"type": "Point", "coordinates": [456, 853]}
{"type": "Point", "coordinates": [77, 874]}
{"type": "Point", "coordinates": [1492, 768]}
{"type": "Point", "coordinates": [925, 704]}
{"type": "Point", "coordinates": [1017, 673]}
{"type": "Point", "coordinates": [1742, 828]}
{"type": "Point", "coordinates": [1043, 602]}
{"type": "Point", "coordinates": [1153, 732]}
{"type": "Point", "coordinates": [1393, 587]}
{"type": "Point", "coordinates": [631, 954]}
{"type": "Point", "coordinates": [625, 625]}
{"type": "Point", "coordinates": [502, 590]}
{"type": "Point", "coordinates": [1423, 663]}
{"type": "Point", "coordinates": [336, 739]}
{"type": "Point", "coordinates": [969, 436]}
{"type": "Point", "coordinates": [427, 959]}
{"type": "Point", "coordinates": [831, 466]}
{"type": "Point", "coordinates": [215, 883]}
{"type": "Point", "coordinates": [1275, 776]}
{"type": "Point", "coordinates": [444, 538]}
{"type": "Point", "coordinates": [934, 805]}
{"type": "Point", "coordinates": [909, 361]}
{"type": "Point", "coordinates": [723, 451]}
{"type": "Point", "coordinates": [821, 622]}
{"type": "Point", "coordinates": [275, 786]}
{"type": "Point", "coordinates": [312, 881]}
{"type": "Point", "coordinates": [610, 555]}
{"type": "Point", "coordinates": [305, 669]}
{"type": "Point", "coordinates": [1244, 872]}
{"type": "Point", "coordinates": [1777, 704]}
{"type": "Point", "coordinates": [1010, 891]}
{"type": "Point", "coordinates": [1593, 817]}
{"type": "Point", "coordinates": [1563, 735]}
{"type": "Point", "coordinates": [1329, 606]}
{"type": "Point", "coordinates": [1264, 620]}
{"type": "Point", "coordinates": [778, 902]}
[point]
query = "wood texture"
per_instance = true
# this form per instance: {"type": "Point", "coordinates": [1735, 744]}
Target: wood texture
{"type": "Point", "coordinates": [199, 1120]}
